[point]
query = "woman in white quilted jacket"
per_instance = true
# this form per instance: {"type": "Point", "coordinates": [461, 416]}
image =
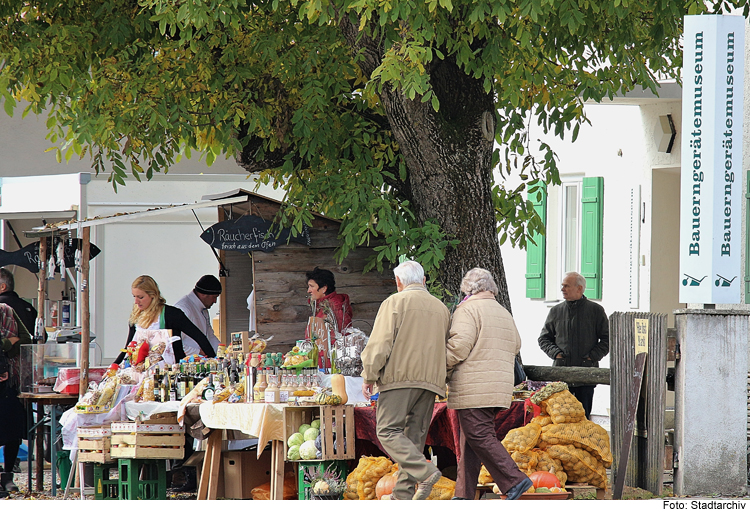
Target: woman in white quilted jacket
{"type": "Point", "coordinates": [482, 346]}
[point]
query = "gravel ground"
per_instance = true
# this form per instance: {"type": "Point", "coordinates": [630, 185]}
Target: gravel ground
{"type": "Point", "coordinates": [21, 480]}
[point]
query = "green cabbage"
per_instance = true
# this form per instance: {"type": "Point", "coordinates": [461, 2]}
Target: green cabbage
{"type": "Point", "coordinates": [293, 453]}
{"type": "Point", "coordinates": [307, 450]}
{"type": "Point", "coordinates": [295, 440]}
{"type": "Point", "coordinates": [311, 434]}
{"type": "Point", "coordinates": [303, 428]}
{"type": "Point", "coordinates": [315, 424]}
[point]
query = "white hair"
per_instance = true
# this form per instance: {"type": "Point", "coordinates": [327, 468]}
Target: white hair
{"type": "Point", "coordinates": [478, 280]}
{"type": "Point", "coordinates": [409, 272]}
{"type": "Point", "coordinates": [580, 279]}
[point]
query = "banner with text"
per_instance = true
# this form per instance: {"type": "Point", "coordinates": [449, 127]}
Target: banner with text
{"type": "Point", "coordinates": [711, 183]}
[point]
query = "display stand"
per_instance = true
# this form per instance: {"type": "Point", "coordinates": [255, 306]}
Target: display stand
{"type": "Point", "coordinates": [56, 402]}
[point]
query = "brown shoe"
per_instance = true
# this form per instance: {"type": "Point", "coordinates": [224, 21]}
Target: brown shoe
{"type": "Point", "coordinates": [425, 487]}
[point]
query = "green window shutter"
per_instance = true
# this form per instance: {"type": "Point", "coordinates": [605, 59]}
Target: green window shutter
{"type": "Point", "coordinates": [592, 235]}
{"type": "Point", "coordinates": [747, 241]}
{"type": "Point", "coordinates": [536, 251]}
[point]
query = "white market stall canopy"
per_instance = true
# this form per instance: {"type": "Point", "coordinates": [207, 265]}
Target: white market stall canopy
{"type": "Point", "coordinates": [84, 226]}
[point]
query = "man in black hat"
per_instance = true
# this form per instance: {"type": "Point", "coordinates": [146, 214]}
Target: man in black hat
{"type": "Point", "coordinates": [195, 305]}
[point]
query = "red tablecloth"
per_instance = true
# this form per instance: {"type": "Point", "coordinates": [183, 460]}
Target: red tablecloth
{"type": "Point", "coordinates": [444, 429]}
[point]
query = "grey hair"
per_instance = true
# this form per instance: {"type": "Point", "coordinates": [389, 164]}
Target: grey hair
{"type": "Point", "coordinates": [6, 277]}
{"type": "Point", "coordinates": [580, 279]}
{"type": "Point", "coordinates": [409, 272]}
{"type": "Point", "coordinates": [478, 280]}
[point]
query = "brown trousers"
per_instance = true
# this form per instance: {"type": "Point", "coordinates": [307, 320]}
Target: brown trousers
{"type": "Point", "coordinates": [480, 445]}
{"type": "Point", "coordinates": [403, 419]}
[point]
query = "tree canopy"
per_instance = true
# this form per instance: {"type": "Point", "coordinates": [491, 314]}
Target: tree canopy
{"type": "Point", "coordinates": [389, 115]}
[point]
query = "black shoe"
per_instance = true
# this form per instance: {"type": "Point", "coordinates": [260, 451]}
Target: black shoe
{"type": "Point", "coordinates": [519, 489]}
{"type": "Point", "coordinates": [17, 467]}
{"type": "Point", "coordinates": [6, 482]}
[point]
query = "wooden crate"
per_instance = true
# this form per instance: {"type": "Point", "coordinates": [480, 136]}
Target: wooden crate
{"type": "Point", "coordinates": [334, 419]}
{"type": "Point", "coordinates": [337, 420]}
{"type": "Point", "coordinates": [94, 444]}
{"type": "Point", "coordinates": [138, 440]}
{"type": "Point", "coordinates": [294, 416]}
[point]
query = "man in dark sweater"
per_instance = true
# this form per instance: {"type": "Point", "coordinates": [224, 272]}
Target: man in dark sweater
{"type": "Point", "coordinates": [26, 313]}
{"type": "Point", "coordinates": [576, 334]}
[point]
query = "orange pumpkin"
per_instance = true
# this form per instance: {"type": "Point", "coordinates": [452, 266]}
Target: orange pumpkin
{"type": "Point", "coordinates": [386, 483]}
{"type": "Point", "coordinates": [545, 479]}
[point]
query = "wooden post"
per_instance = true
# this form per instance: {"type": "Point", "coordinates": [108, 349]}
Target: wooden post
{"type": "Point", "coordinates": [83, 289]}
{"type": "Point", "coordinates": [39, 437]}
{"type": "Point", "coordinates": [634, 394]}
{"type": "Point", "coordinates": [644, 466]}
{"type": "Point", "coordinates": [41, 288]}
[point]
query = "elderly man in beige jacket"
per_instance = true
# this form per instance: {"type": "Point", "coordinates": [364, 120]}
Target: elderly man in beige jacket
{"type": "Point", "coordinates": [482, 346]}
{"type": "Point", "coordinates": [405, 356]}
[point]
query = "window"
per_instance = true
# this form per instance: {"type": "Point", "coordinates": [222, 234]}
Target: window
{"type": "Point", "coordinates": [570, 220]}
{"type": "Point", "coordinates": [573, 215]}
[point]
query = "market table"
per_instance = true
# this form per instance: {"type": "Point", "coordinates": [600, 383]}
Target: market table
{"type": "Point", "coordinates": [56, 403]}
{"type": "Point", "coordinates": [444, 429]}
{"type": "Point", "coordinates": [264, 421]}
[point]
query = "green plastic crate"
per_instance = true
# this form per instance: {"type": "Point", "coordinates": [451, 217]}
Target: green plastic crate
{"type": "Point", "coordinates": [142, 479]}
{"type": "Point", "coordinates": [303, 486]}
{"type": "Point", "coordinates": [106, 485]}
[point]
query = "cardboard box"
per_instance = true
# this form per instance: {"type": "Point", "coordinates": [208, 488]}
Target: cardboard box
{"type": "Point", "coordinates": [243, 471]}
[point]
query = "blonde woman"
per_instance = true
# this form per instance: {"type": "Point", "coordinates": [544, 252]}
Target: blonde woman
{"type": "Point", "coordinates": [151, 312]}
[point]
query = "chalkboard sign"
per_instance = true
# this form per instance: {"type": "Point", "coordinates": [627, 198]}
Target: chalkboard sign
{"type": "Point", "coordinates": [250, 233]}
{"type": "Point", "coordinates": [28, 256]}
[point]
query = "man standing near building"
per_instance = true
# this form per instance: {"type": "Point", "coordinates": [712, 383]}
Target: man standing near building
{"type": "Point", "coordinates": [405, 357]}
{"type": "Point", "coordinates": [195, 305]}
{"type": "Point", "coordinates": [576, 334]}
{"type": "Point", "coordinates": [25, 311]}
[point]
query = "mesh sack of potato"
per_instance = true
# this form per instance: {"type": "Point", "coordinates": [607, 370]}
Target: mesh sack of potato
{"type": "Point", "coordinates": [522, 439]}
{"type": "Point", "coordinates": [547, 391]}
{"type": "Point", "coordinates": [443, 489]}
{"type": "Point", "coordinates": [584, 435]}
{"type": "Point", "coordinates": [580, 465]}
{"type": "Point", "coordinates": [563, 407]}
{"type": "Point", "coordinates": [360, 484]}
{"type": "Point", "coordinates": [546, 463]}
{"type": "Point", "coordinates": [541, 420]}
{"type": "Point", "coordinates": [526, 461]}
{"type": "Point", "coordinates": [484, 476]}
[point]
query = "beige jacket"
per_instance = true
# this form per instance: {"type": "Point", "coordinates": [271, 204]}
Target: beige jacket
{"type": "Point", "coordinates": [482, 347]}
{"type": "Point", "coordinates": [406, 348]}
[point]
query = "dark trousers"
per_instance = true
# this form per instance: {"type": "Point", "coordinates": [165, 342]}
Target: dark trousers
{"type": "Point", "coordinates": [585, 395]}
{"type": "Point", "coordinates": [403, 419]}
{"type": "Point", "coordinates": [10, 453]}
{"type": "Point", "coordinates": [480, 445]}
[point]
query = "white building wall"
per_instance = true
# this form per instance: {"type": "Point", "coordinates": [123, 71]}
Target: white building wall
{"type": "Point", "coordinates": [618, 147]}
{"type": "Point", "coordinates": [166, 247]}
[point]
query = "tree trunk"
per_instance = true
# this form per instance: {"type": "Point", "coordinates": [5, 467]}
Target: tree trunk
{"type": "Point", "coordinates": [449, 159]}
{"type": "Point", "coordinates": [450, 173]}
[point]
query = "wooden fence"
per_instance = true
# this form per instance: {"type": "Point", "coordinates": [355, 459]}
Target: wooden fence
{"type": "Point", "coordinates": [646, 461]}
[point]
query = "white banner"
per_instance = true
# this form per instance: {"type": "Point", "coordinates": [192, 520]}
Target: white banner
{"type": "Point", "coordinates": [711, 182]}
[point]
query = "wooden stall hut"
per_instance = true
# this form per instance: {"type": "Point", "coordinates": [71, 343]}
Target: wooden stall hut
{"type": "Point", "coordinates": [276, 271]}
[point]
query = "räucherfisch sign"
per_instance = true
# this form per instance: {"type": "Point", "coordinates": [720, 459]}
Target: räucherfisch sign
{"type": "Point", "coordinates": [28, 256]}
{"type": "Point", "coordinates": [250, 233]}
